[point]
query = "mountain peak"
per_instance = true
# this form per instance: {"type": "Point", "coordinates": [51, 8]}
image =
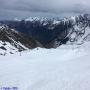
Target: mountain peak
{"type": "Point", "coordinates": [48, 33]}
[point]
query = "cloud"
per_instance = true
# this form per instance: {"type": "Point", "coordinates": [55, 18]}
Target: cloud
{"type": "Point", "coordinates": [25, 8]}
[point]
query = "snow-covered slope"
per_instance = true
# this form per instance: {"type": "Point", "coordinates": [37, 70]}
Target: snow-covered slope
{"type": "Point", "coordinates": [76, 30]}
{"type": "Point", "coordinates": [73, 30]}
{"type": "Point", "coordinates": [64, 68]}
{"type": "Point", "coordinates": [6, 48]}
{"type": "Point", "coordinates": [80, 31]}
{"type": "Point", "coordinates": [12, 41]}
{"type": "Point", "coordinates": [8, 42]}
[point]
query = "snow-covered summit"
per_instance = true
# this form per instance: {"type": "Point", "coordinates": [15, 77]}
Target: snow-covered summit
{"type": "Point", "coordinates": [53, 32]}
{"type": "Point", "coordinates": [36, 19]}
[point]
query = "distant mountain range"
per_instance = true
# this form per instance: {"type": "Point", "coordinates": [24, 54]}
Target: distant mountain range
{"type": "Point", "coordinates": [46, 33]}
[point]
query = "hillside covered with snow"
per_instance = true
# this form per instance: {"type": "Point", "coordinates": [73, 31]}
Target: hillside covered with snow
{"type": "Point", "coordinates": [51, 33]}
{"type": "Point", "coordinates": [64, 68]}
{"type": "Point", "coordinates": [45, 54]}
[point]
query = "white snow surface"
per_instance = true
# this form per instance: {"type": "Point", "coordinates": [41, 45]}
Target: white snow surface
{"type": "Point", "coordinates": [64, 68]}
{"type": "Point", "coordinates": [9, 48]}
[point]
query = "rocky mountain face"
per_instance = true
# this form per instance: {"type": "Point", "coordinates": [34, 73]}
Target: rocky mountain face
{"type": "Point", "coordinates": [12, 41]}
{"type": "Point", "coordinates": [80, 30]}
{"type": "Point", "coordinates": [47, 33]}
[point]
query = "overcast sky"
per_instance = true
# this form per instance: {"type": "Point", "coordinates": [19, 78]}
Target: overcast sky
{"type": "Point", "coordinates": [9, 9]}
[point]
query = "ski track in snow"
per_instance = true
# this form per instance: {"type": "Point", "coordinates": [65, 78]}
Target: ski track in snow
{"type": "Point", "coordinates": [64, 68]}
